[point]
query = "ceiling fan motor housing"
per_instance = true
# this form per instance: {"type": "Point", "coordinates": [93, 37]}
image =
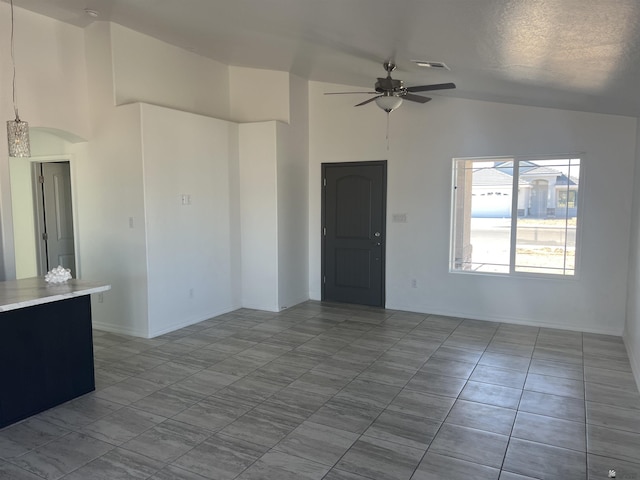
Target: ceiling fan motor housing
{"type": "Point", "coordinates": [389, 85]}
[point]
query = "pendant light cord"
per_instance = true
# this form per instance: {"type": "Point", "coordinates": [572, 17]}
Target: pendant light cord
{"type": "Point", "coordinates": [13, 63]}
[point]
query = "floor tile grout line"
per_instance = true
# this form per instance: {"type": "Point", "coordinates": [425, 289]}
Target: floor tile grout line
{"type": "Point", "coordinates": [86, 463]}
{"type": "Point", "coordinates": [586, 426]}
{"type": "Point", "coordinates": [253, 408]}
{"type": "Point", "coordinates": [515, 419]}
{"type": "Point", "coordinates": [405, 334]}
{"type": "Point", "coordinates": [273, 447]}
{"type": "Point", "coordinates": [456, 398]}
{"type": "Point", "coordinates": [164, 464]}
{"type": "Point", "coordinates": [216, 433]}
{"type": "Point", "coordinates": [384, 409]}
{"type": "Point", "coordinates": [170, 418]}
{"type": "Point", "coordinates": [38, 446]}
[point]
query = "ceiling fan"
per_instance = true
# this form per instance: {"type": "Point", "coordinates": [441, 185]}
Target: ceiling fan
{"type": "Point", "coordinates": [390, 92]}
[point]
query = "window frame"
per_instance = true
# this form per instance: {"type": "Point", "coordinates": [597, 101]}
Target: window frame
{"type": "Point", "coordinates": [517, 160]}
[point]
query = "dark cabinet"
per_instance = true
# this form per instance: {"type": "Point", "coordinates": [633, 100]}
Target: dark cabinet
{"type": "Point", "coordinates": [46, 357]}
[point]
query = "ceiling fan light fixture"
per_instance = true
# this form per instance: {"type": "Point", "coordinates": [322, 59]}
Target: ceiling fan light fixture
{"type": "Point", "coordinates": [388, 103]}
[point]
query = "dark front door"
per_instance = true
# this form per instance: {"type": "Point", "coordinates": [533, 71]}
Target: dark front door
{"type": "Point", "coordinates": [353, 234]}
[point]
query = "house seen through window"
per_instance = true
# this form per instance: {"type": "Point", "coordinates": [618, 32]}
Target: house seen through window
{"type": "Point", "coordinates": [515, 215]}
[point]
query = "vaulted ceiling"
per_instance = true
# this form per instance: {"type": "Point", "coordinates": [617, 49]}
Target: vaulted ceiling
{"type": "Point", "coordinates": [570, 54]}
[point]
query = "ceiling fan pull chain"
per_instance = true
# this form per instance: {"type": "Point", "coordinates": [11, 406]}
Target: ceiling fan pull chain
{"type": "Point", "coordinates": [388, 113]}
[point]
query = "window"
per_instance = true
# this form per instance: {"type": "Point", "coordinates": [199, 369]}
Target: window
{"type": "Point", "coordinates": [567, 198]}
{"type": "Point", "coordinates": [514, 215]}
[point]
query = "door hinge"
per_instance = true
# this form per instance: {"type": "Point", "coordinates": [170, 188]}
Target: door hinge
{"type": "Point", "coordinates": [324, 182]}
{"type": "Point", "coordinates": [324, 231]}
{"type": "Point", "coordinates": [45, 237]}
{"type": "Point", "coordinates": [40, 179]}
{"type": "Point", "coordinates": [324, 279]}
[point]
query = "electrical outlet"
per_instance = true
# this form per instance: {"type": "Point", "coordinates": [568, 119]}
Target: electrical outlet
{"type": "Point", "coordinates": [191, 293]}
{"type": "Point", "coordinates": [100, 298]}
{"type": "Point", "coordinates": [414, 283]}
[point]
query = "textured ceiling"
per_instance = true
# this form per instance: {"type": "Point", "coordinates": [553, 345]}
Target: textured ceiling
{"type": "Point", "coordinates": [572, 54]}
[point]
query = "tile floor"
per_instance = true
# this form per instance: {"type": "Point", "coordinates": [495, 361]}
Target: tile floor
{"type": "Point", "coordinates": [336, 392]}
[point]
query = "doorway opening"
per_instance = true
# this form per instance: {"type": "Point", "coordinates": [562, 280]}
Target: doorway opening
{"type": "Point", "coordinates": [53, 216]}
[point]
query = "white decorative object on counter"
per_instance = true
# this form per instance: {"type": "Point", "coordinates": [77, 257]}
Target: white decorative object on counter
{"type": "Point", "coordinates": [58, 275]}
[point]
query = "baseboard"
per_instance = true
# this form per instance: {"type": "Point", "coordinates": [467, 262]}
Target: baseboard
{"type": "Point", "coordinates": [293, 303]}
{"type": "Point", "coordinates": [108, 327]}
{"type": "Point", "coordinates": [511, 320]}
{"type": "Point", "coordinates": [264, 308]}
{"type": "Point", "coordinates": [634, 359]}
{"type": "Point", "coordinates": [191, 321]}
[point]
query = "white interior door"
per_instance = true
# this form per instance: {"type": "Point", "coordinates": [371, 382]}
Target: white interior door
{"type": "Point", "coordinates": [56, 217]}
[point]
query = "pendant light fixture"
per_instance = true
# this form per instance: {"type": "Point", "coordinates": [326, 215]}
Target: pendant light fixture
{"type": "Point", "coordinates": [17, 130]}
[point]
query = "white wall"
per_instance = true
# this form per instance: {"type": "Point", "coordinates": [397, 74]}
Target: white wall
{"type": "Point", "coordinates": [222, 251]}
{"type": "Point", "coordinates": [51, 92]}
{"type": "Point", "coordinates": [423, 140]}
{"type": "Point", "coordinates": [169, 265]}
{"type": "Point", "coordinates": [188, 246]}
{"type": "Point", "coordinates": [99, 59]}
{"type": "Point", "coordinates": [274, 165]}
{"type": "Point", "coordinates": [50, 72]}
{"type": "Point", "coordinates": [111, 227]}
{"type": "Point", "coordinates": [274, 206]}
{"type": "Point", "coordinates": [148, 70]}
{"type": "Point", "coordinates": [112, 245]}
{"type": "Point", "coordinates": [293, 198]}
{"type": "Point", "coordinates": [24, 226]}
{"type": "Point", "coordinates": [273, 185]}
{"type": "Point", "coordinates": [86, 85]}
{"type": "Point", "coordinates": [235, 239]}
{"type": "Point", "coordinates": [258, 95]}
{"type": "Point", "coordinates": [632, 328]}
{"type": "Point", "coordinates": [57, 90]}
{"type": "Point", "coordinates": [259, 215]}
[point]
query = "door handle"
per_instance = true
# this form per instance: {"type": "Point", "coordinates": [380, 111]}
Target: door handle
{"type": "Point", "coordinates": [377, 242]}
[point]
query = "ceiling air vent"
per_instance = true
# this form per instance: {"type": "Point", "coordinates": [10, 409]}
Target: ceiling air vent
{"type": "Point", "coordinates": [427, 64]}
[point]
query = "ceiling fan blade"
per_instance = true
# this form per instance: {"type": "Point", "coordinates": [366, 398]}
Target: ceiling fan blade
{"type": "Point", "coordinates": [349, 93]}
{"type": "Point", "coordinates": [428, 88]}
{"type": "Point", "coordinates": [416, 98]}
{"type": "Point", "coordinates": [368, 101]}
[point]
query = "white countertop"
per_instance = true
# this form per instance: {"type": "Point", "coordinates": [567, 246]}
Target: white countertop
{"type": "Point", "coordinates": [15, 294]}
